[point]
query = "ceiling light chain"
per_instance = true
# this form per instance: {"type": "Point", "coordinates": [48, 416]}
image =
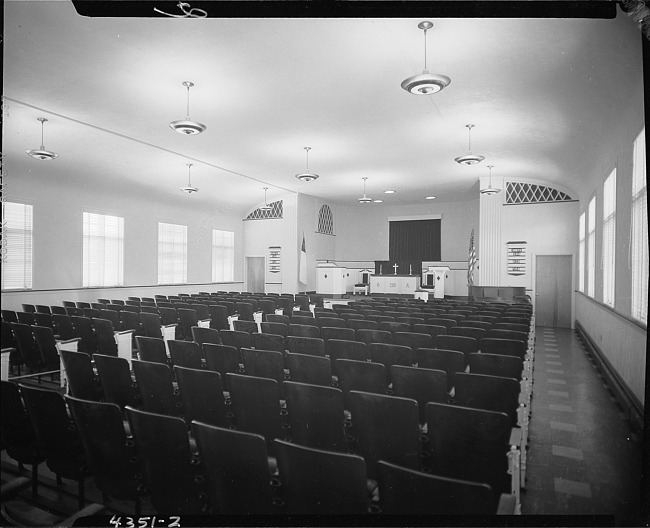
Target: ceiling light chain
{"type": "Point", "coordinates": [425, 26]}
{"type": "Point", "coordinates": [188, 85]}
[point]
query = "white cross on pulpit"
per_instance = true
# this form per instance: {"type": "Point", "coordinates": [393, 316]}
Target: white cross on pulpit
{"type": "Point", "coordinates": [395, 266]}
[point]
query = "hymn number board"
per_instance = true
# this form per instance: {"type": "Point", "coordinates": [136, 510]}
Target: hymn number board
{"type": "Point", "coordinates": [274, 259]}
{"type": "Point", "coordinates": [516, 258]}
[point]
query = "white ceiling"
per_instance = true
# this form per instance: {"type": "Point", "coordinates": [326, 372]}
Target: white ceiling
{"type": "Point", "coordinates": [545, 95]}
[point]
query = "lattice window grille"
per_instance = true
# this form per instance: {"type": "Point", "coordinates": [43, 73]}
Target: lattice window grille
{"type": "Point", "coordinates": [276, 211]}
{"type": "Point", "coordinates": [531, 193]}
{"type": "Point", "coordinates": [325, 221]}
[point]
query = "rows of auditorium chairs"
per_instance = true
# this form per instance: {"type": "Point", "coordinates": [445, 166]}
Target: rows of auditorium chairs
{"type": "Point", "coordinates": [342, 410]}
{"type": "Point", "coordinates": [77, 320]}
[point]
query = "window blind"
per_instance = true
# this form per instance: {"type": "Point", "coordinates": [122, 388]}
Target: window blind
{"type": "Point", "coordinates": [639, 242]}
{"type": "Point", "coordinates": [172, 253]}
{"type": "Point", "coordinates": [223, 256]}
{"type": "Point", "coordinates": [103, 250]}
{"type": "Point", "coordinates": [581, 253]}
{"type": "Point", "coordinates": [609, 239]}
{"type": "Point", "coordinates": [591, 248]}
{"type": "Point", "coordinates": [17, 246]}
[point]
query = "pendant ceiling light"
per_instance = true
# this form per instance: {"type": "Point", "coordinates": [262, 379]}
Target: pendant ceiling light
{"type": "Point", "coordinates": [469, 158]}
{"type": "Point", "coordinates": [364, 199]}
{"type": "Point", "coordinates": [307, 176]}
{"type": "Point", "coordinates": [41, 153]}
{"type": "Point", "coordinates": [189, 189]}
{"type": "Point", "coordinates": [425, 83]}
{"type": "Point", "coordinates": [266, 207]}
{"type": "Point", "coordinates": [187, 126]}
{"type": "Point", "coordinates": [489, 190]}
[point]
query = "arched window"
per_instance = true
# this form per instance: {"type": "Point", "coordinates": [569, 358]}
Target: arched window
{"type": "Point", "coordinates": [325, 221]}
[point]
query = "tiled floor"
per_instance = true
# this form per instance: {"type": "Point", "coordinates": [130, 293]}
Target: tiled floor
{"type": "Point", "coordinates": [583, 457]}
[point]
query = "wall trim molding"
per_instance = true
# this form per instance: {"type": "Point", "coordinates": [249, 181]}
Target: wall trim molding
{"type": "Point", "coordinates": [406, 218]}
{"type": "Point", "coordinates": [624, 396]}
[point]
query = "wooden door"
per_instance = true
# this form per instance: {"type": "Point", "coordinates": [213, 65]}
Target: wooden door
{"type": "Point", "coordinates": [553, 290]}
{"type": "Point", "coordinates": [255, 274]}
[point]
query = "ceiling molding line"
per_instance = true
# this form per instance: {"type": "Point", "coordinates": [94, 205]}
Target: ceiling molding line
{"type": "Point", "coordinates": [163, 149]}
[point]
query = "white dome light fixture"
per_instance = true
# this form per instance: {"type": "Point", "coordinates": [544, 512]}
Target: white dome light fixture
{"type": "Point", "coordinates": [469, 158]}
{"type": "Point", "coordinates": [425, 83]}
{"type": "Point", "coordinates": [489, 190]}
{"type": "Point", "coordinates": [364, 199]}
{"type": "Point", "coordinates": [189, 189]}
{"type": "Point", "coordinates": [41, 153]}
{"type": "Point", "coordinates": [266, 207]}
{"type": "Point", "coordinates": [307, 176]}
{"type": "Point", "coordinates": [187, 126]}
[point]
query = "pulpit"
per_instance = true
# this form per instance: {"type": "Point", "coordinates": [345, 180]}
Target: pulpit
{"type": "Point", "coordinates": [440, 274]}
{"type": "Point", "coordinates": [331, 280]}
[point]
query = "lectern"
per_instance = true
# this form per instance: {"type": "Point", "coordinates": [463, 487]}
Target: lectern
{"type": "Point", "coordinates": [440, 274]}
{"type": "Point", "coordinates": [331, 280]}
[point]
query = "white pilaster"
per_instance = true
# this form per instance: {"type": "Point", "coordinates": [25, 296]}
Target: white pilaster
{"type": "Point", "coordinates": [489, 248]}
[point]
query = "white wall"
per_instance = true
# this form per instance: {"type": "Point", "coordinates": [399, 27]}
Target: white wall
{"type": "Point", "coordinates": [548, 229]}
{"type": "Point", "coordinates": [57, 241]}
{"type": "Point", "coordinates": [318, 245]}
{"type": "Point", "coordinates": [621, 340]}
{"type": "Point", "coordinates": [362, 230]}
{"type": "Point", "coordinates": [259, 235]}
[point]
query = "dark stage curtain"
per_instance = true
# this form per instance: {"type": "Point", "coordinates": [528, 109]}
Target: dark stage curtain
{"type": "Point", "coordinates": [414, 240]}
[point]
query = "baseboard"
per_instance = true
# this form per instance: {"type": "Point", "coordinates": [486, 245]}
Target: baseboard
{"type": "Point", "coordinates": [625, 398]}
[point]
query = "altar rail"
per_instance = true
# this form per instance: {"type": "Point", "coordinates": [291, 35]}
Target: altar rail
{"type": "Point", "coordinates": [455, 286]}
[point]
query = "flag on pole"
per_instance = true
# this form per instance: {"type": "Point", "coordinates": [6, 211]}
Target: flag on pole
{"type": "Point", "coordinates": [302, 272]}
{"type": "Point", "coordinates": [471, 261]}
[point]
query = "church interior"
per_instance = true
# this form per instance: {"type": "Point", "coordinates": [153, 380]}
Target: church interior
{"type": "Point", "coordinates": [332, 182]}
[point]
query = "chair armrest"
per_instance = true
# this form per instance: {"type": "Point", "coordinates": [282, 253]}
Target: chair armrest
{"type": "Point", "coordinates": [172, 325]}
{"type": "Point", "coordinates": [204, 320]}
{"type": "Point", "coordinates": [506, 504]}
{"type": "Point", "coordinates": [66, 341]}
{"type": "Point", "coordinates": [8, 350]}
{"type": "Point", "coordinates": [515, 437]}
{"type": "Point", "coordinates": [123, 332]}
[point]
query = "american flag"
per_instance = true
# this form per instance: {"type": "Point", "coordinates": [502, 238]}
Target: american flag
{"type": "Point", "coordinates": [302, 271]}
{"type": "Point", "coordinates": [471, 261]}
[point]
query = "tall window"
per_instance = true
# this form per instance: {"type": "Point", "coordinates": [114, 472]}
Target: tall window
{"type": "Point", "coordinates": [609, 238]}
{"type": "Point", "coordinates": [172, 253]}
{"type": "Point", "coordinates": [591, 248]}
{"type": "Point", "coordinates": [103, 250]}
{"type": "Point", "coordinates": [223, 256]}
{"type": "Point", "coordinates": [581, 255]}
{"type": "Point", "coordinates": [639, 242]}
{"type": "Point", "coordinates": [17, 244]}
